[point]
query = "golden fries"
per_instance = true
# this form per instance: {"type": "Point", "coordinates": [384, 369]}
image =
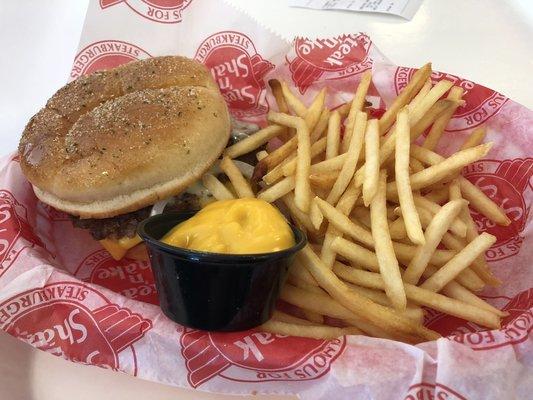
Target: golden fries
{"type": "Point", "coordinates": [309, 331]}
{"type": "Point", "coordinates": [397, 212]}
{"type": "Point", "coordinates": [436, 229]}
{"type": "Point", "coordinates": [359, 305]}
{"type": "Point", "coordinates": [278, 190]}
{"type": "Point", "coordinates": [460, 262]}
{"type": "Point", "coordinates": [252, 142]}
{"type": "Point", "coordinates": [216, 188]}
{"type": "Point", "coordinates": [438, 127]}
{"type": "Point", "coordinates": [356, 106]}
{"type": "Point", "coordinates": [403, 185]}
{"type": "Point", "coordinates": [446, 168]}
{"type": "Point", "coordinates": [292, 101]}
{"type": "Point", "coordinates": [350, 161]}
{"type": "Point", "coordinates": [239, 182]}
{"type": "Point", "coordinates": [333, 135]}
{"type": "Point", "coordinates": [408, 93]}
{"type": "Point", "coordinates": [370, 184]}
{"type": "Point", "coordinates": [423, 297]}
{"type": "Point", "coordinates": [302, 187]}
{"type": "Point", "coordinates": [388, 264]}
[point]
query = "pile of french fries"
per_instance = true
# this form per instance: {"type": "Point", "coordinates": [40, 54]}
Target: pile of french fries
{"type": "Point", "coordinates": [387, 218]}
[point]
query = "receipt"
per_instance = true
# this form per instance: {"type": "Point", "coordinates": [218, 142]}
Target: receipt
{"type": "Point", "coordinates": [402, 8]}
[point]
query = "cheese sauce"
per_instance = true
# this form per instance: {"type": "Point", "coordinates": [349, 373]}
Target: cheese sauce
{"type": "Point", "coordinates": [241, 226]}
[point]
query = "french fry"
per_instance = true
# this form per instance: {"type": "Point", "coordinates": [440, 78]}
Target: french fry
{"type": "Point", "coordinates": [217, 188]}
{"type": "Point", "coordinates": [458, 292]}
{"type": "Point", "coordinates": [344, 207]}
{"type": "Point", "coordinates": [300, 217]}
{"type": "Point", "coordinates": [439, 126]}
{"type": "Point", "coordinates": [315, 214]}
{"type": "Point", "coordinates": [397, 229]}
{"type": "Point", "coordinates": [440, 195]}
{"type": "Point", "coordinates": [432, 115]}
{"type": "Point", "coordinates": [343, 224]}
{"type": "Point", "coordinates": [433, 235]}
{"type": "Point", "coordinates": [260, 155]}
{"type": "Point", "coordinates": [416, 113]}
{"type": "Point", "coordinates": [404, 252]}
{"type": "Point", "coordinates": [423, 297]}
{"type": "Point", "coordinates": [314, 111]}
{"type": "Point", "coordinates": [284, 317]}
{"type": "Point", "coordinates": [457, 226]}
{"type": "Point", "coordinates": [475, 138]}
{"type": "Point", "coordinates": [459, 263]}
{"type": "Point", "coordinates": [421, 94]}
{"type": "Point", "coordinates": [415, 165]}
{"type": "Point", "coordinates": [446, 168]}
{"type": "Point", "coordinates": [370, 184]}
{"type": "Point", "coordinates": [294, 103]}
{"type": "Point", "coordinates": [482, 204]}
{"type": "Point", "coordinates": [361, 214]}
{"type": "Point", "coordinates": [289, 168]}
{"type": "Point", "coordinates": [408, 93]}
{"type": "Point", "coordinates": [288, 148]}
{"type": "Point", "coordinates": [333, 164]}
{"type": "Point", "coordinates": [356, 106]}
{"type": "Point", "coordinates": [239, 182]}
{"type": "Point", "coordinates": [412, 312]}
{"type": "Point", "coordinates": [279, 155]}
{"type": "Point", "coordinates": [302, 188]}
{"type": "Point", "coordinates": [321, 126]}
{"type": "Point", "coordinates": [294, 280]}
{"type": "Point", "coordinates": [479, 266]}
{"type": "Point", "coordinates": [278, 190]}
{"type": "Point", "coordinates": [309, 331]}
{"type": "Point", "coordinates": [313, 317]}
{"type": "Point", "coordinates": [254, 141]}
{"type": "Point", "coordinates": [277, 92]}
{"type": "Point", "coordinates": [388, 264]}
{"type": "Point", "coordinates": [323, 180]}
{"type": "Point", "coordinates": [367, 309]}
{"type": "Point", "coordinates": [350, 162]}
{"type": "Point", "coordinates": [475, 196]}
{"type": "Point", "coordinates": [326, 305]}
{"type": "Point", "coordinates": [355, 253]}
{"type": "Point", "coordinates": [343, 109]}
{"type": "Point", "coordinates": [333, 135]}
{"type": "Point", "coordinates": [403, 185]}
{"type": "Point", "coordinates": [302, 274]}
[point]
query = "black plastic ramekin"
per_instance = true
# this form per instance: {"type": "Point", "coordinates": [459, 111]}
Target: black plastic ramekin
{"type": "Point", "coordinates": [212, 291]}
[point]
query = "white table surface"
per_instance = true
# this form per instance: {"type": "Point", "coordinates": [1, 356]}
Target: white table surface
{"type": "Point", "coordinates": [487, 41]}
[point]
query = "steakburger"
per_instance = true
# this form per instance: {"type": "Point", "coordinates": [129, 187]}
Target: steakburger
{"type": "Point", "coordinates": [108, 146]}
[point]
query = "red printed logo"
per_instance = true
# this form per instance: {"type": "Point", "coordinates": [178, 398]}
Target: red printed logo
{"type": "Point", "coordinates": [506, 183]}
{"type": "Point", "coordinates": [105, 54]}
{"type": "Point", "coordinates": [15, 232]}
{"type": "Point", "coordinates": [428, 391]}
{"type": "Point", "coordinates": [130, 278]}
{"type": "Point", "coordinates": [238, 69]}
{"type": "Point", "coordinates": [328, 59]}
{"type": "Point", "coordinates": [164, 11]}
{"type": "Point", "coordinates": [57, 319]}
{"type": "Point", "coordinates": [481, 102]}
{"type": "Point", "coordinates": [255, 356]}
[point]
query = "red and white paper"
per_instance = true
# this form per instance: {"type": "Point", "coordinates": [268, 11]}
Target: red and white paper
{"type": "Point", "coordinates": [62, 293]}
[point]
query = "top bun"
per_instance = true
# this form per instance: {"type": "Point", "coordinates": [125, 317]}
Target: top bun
{"type": "Point", "coordinates": [119, 140]}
